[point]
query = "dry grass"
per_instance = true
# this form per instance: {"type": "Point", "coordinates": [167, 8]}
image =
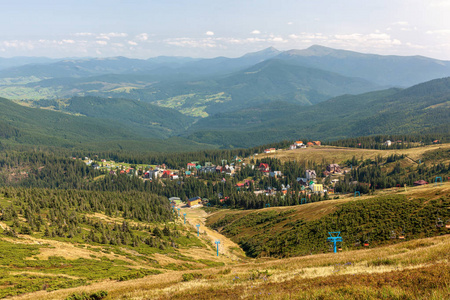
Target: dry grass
{"type": "Point", "coordinates": [412, 258]}
{"type": "Point", "coordinates": [340, 154]}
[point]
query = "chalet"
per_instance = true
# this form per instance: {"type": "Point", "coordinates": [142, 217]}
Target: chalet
{"type": "Point", "coordinates": [175, 177]}
{"type": "Point", "coordinates": [270, 150]}
{"type": "Point", "coordinates": [219, 169]}
{"type": "Point", "coordinates": [309, 144]}
{"type": "Point", "coordinates": [299, 143]}
{"type": "Point", "coordinates": [436, 142]}
{"type": "Point", "coordinates": [153, 173]}
{"type": "Point", "coordinates": [207, 170]}
{"type": "Point", "coordinates": [194, 201]}
{"type": "Point", "coordinates": [310, 174]}
{"type": "Point", "coordinates": [420, 182]}
{"type": "Point", "coordinates": [316, 188]}
{"type": "Point", "coordinates": [334, 168]}
{"type": "Point", "coordinates": [302, 181]}
{"type": "Point", "coordinates": [275, 174]}
{"type": "Point", "coordinates": [229, 170]}
{"type": "Point", "coordinates": [187, 173]}
{"type": "Point", "coordinates": [292, 147]}
{"type": "Point", "coordinates": [166, 174]}
{"type": "Point", "coordinates": [317, 143]}
{"type": "Point", "coordinates": [190, 165]}
{"type": "Point", "coordinates": [264, 167]}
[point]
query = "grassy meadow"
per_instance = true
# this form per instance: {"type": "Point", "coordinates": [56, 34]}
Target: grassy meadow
{"type": "Point", "coordinates": [58, 269]}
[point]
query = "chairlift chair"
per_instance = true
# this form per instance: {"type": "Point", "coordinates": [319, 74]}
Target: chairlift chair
{"type": "Point", "coordinates": [447, 225]}
{"type": "Point", "coordinates": [393, 235]}
{"type": "Point", "coordinates": [439, 223]}
{"type": "Point", "coordinates": [402, 235]}
{"type": "Point", "coordinates": [366, 243]}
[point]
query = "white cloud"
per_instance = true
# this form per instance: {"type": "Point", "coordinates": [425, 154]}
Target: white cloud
{"type": "Point", "coordinates": [132, 43]}
{"type": "Point", "coordinates": [69, 41]}
{"type": "Point", "coordinates": [142, 37]}
{"type": "Point", "coordinates": [439, 31]}
{"type": "Point", "coordinates": [84, 34]}
{"type": "Point", "coordinates": [290, 23]}
{"type": "Point", "coordinates": [102, 42]}
{"type": "Point", "coordinates": [209, 33]}
{"type": "Point", "coordinates": [401, 23]}
{"type": "Point", "coordinates": [255, 32]}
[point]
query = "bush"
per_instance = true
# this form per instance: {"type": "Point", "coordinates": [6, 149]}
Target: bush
{"type": "Point", "coordinates": [191, 276]}
{"type": "Point", "coordinates": [84, 296]}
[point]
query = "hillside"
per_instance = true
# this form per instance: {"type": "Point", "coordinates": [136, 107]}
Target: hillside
{"type": "Point", "coordinates": [38, 127]}
{"type": "Point", "coordinates": [420, 109]}
{"type": "Point", "coordinates": [384, 70]}
{"type": "Point", "coordinates": [409, 268]}
{"type": "Point", "coordinates": [302, 230]}
{"type": "Point", "coordinates": [143, 117]}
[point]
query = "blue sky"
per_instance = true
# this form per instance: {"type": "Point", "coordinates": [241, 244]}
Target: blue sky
{"type": "Point", "coordinates": [197, 28]}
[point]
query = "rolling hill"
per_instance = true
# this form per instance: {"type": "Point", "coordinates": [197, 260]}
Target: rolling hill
{"type": "Point", "coordinates": [35, 127]}
{"type": "Point", "coordinates": [384, 70]}
{"type": "Point", "coordinates": [422, 108]}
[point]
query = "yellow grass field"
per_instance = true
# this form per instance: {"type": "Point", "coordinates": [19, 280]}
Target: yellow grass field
{"type": "Point", "coordinates": [341, 154]}
{"type": "Point", "coordinates": [415, 269]}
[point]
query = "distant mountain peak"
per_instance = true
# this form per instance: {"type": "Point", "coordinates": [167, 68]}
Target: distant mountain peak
{"type": "Point", "coordinates": [271, 51]}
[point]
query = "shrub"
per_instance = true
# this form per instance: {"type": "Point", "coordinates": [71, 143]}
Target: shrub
{"type": "Point", "coordinates": [191, 276]}
{"type": "Point", "coordinates": [84, 296]}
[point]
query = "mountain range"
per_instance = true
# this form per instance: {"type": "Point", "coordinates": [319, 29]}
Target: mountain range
{"type": "Point", "coordinates": [189, 103]}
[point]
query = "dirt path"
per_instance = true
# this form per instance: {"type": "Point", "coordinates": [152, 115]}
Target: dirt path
{"type": "Point", "coordinates": [228, 250]}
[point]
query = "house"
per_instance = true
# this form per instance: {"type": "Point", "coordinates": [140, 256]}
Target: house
{"type": "Point", "coordinates": [194, 201]}
{"type": "Point", "coordinates": [298, 143]}
{"type": "Point", "coordinates": [166, 174]}
{"type": "Point", "coordinates": [175, 177]}
{"type": "Point", "coordinates": [309, 144]}
{"type": "Point", "coordinates": [310, 174]}
{"type": "Point", "coordinates": [302, 181]}
{"type": "Point", "coordinates": [229, 170]}
{"type": "Point", "coordinates": [153, 173]}
{"type": "Point", "coordinates": [334, 168]}
{"type": "Point", "coordinates": [190, 165]}
{"type": "Point", "coordinates": [388, 143]}
{"type": "Point", "coordinates": [292, 147]}
{"type": "Point", "coordinates": [317, 143]}
{"type": "Point", "coordinates": [219, 169]}
{"type": "Point", "coordinates": [275, 174]}
{"type": "Point", "coordinates": [316, 188]}
{"type": "Point", "coordinates": [187, 173]}
{"type": "Point", "coordinates": [264, 167]}
{"type": "Point", "coordinates": [436, 142]}
{"type": "Point", "coordinates": [270, 150]}
{"type": "Point", "coordinates": [112, 172]}
{"type": "Point", "coordinates": [207, 170]}
{"type": "Point", "coordinates": [420, 182]}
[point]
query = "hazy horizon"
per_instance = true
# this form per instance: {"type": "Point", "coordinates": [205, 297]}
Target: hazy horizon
{"type": "Point", "coordinates": [204, 29]}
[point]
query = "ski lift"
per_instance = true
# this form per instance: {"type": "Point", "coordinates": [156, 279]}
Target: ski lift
{"type": "Point", "coordinates": [357, 243]}
{"type": "Point", "coordinates": [402, 235]}
{"type": "Point", "coordinates": [439, 223]}
{"type": "Point", "coordinates": [393, 235]}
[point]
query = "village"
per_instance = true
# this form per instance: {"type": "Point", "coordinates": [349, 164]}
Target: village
{"type": "Point", "coordinates": [259, 174]}
{"type": "Point", "coordinates": [308, 183]}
